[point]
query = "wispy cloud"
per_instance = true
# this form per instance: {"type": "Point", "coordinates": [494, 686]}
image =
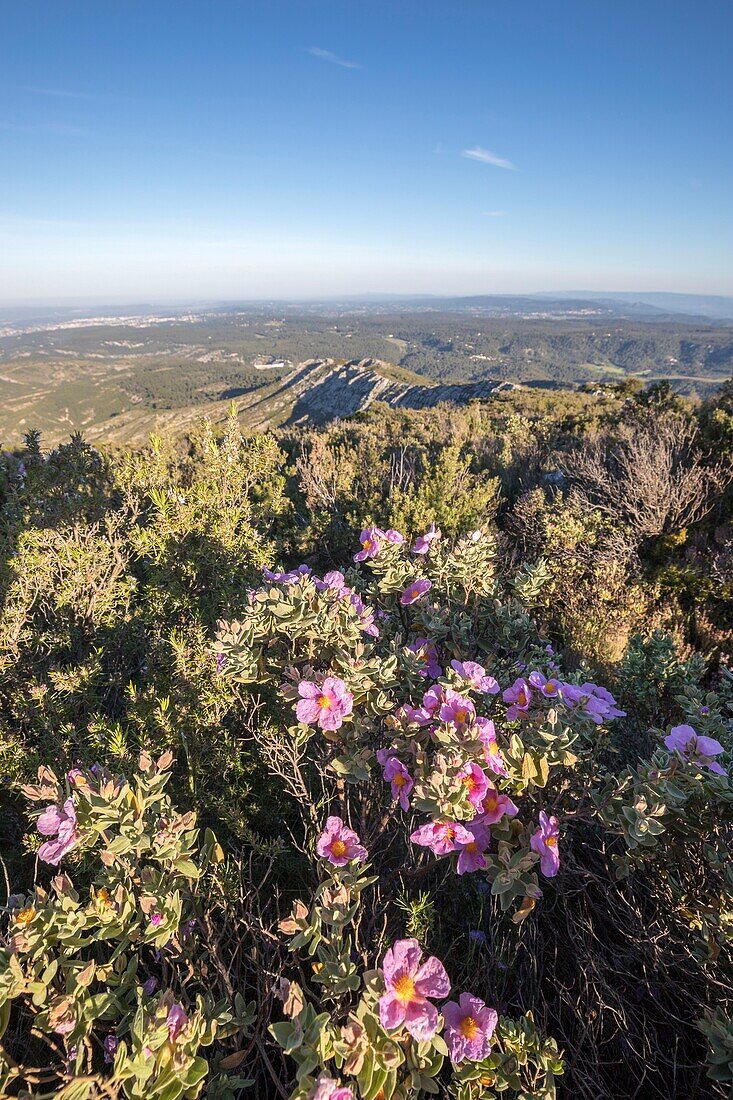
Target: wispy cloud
{"type": "Point", "coordinates": [326, 55]}
{"type": "Point", "coordinates": [59, 93]}
{"type": "Point", "coordinates": [494, 213]}
{"type": "Point", "coordinates": [485, 157]}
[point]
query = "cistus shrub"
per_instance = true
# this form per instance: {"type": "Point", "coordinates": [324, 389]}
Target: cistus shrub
{"type": "Point", "coordinates": [468, 771]}
{"type": "Point", "coordinates": [102, 971]}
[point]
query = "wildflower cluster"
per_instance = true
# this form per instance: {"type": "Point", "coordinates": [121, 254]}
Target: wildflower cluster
{"type": "Point", "coordinates": [395, 1030]}
{"type": "Point", "coordinates": [102, 968]}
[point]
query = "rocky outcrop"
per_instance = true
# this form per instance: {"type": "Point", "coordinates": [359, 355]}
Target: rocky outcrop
{"type": "Point", "coordinates": [325, 390]}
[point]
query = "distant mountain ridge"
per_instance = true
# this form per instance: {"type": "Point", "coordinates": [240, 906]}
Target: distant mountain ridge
{"type": "Point", "coordinates": [716, 307]}
{"type": "Point", "coordinates": [636, 304]}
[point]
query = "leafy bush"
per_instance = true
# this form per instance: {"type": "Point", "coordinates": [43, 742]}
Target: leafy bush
{"type": "Point", "coordinates": [451, 863]}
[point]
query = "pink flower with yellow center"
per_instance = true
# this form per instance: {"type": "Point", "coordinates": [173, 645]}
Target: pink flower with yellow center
{"type": "Point", "coordinates": [339, 844]}
{"type": "Point", "coordinates": [495, 806]}
{"type": "Point", "coordinates": [492, 752]}
{"type": "Point", "coordinates": [441, 837]}
{"type": "Point", "coordinates": [371, 541]}
{"type": "Point", "coordinates": [415, 590]}
{"type": "Point", "coordinates": [545, 842]}
{"type": "Point", "coordinates": [473, 778]}
{"type": "Point", "coordinates": [469, 1025]}
{"type": "Point", "coordinates": [457, 708]}
{"type": "Point", "coordinates": [471, 854]}
{"type": "Point", "coordinates": [408, 985]}
{"type": "Point", "coordinates": [519, 695]}
{"type": "Point", "coordinates": [396, 774]}
{"type": "Point", "coordinates": [549, 688]}
{"type": "Point", "coordinates": [325, 704]}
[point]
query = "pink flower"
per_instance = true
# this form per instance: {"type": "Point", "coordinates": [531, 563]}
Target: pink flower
{"type": "Point", "coordinates": [326, 704]}
{"type": "Point", "coordinates": [155, 919]}
{"type": "Point", "coordinates": [335, 582]}
{"type": "Point", "coordinates": [395, 537]}
{"type": "Point", "coordinates": [457, 708]}
{"type": "Point", "coordinates": [287, 578]}
{"type": "Point", "coordinates": [398, 776]}
{"type": "Point", "coordinates": [408, 986]}
{"type": "Point", "coordinates": [476, 676]}
{"type": "Point", "coordinates": [339, 844]}
{"type": "Point", "coordinates": [371, 540]}
{"type": "Point", "coordinates": [519, 695]}
{"type": "Point", "coordinates": [176, 1021]}
{"type": "Point", "coordinates": [422, 542]}
{"type": "Point", "coordinates": [596, 701]}
{"type": "Point", "coordinates": [544, 842]}
{"type": "Point", "coordinates": [474, 780]}
{"type": "Point", "coordinates": [59, 823]}
{"type": "Point", "coordinates": [492, 752]}
{"type": "Point", "coordinates": [441, 837]}
{"type": "Point", "coordinates": [550, 688]}
{"type": "Point", "coordinates": [329, 1089]}
{"type": "Point", "coordinates": [469, 1025]}
{"type": "Point", "coordinates": [495, 806]}
{"type": "Point", "coordinates": [695, 748]}
{"type": "Point", "coordinates": [415, 590]}
{"type": "Point", "coordinates": [471, 854]}
{"type": "Point", "coordinates": [431, 701]}
{"type": "Point", "coordinates": [428, 654]}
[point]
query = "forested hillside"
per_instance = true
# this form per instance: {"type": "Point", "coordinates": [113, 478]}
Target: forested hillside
{"type": "Point", "coordinates": [119, 378]}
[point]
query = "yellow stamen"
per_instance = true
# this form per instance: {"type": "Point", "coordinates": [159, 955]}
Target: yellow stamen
{"type": "Point", "coordinates": [461, 715]}
{"type": "Point", "coordinates": [469, 1028]}
{"type": "Point", "coordinates": [324, 702]}
{"type": "Point", "coordinates": [470, 782]}
{"type": "Point", "coordinates": [399, 780]}
{"type": "Point", "coordinates": [338, 848]}
{"type": "Point", "coordinates": [25, 916]}
{"type": "Point", "coordinates": [472, 846]}
{"type": "Point", "coordinates": [551, 842]}
{"type": "Point", "coordinates": [491, 803]}
{"type": "Point", "coordinates": [404, 989]}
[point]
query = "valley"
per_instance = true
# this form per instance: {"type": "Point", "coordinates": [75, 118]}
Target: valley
{"type": "Point", "coordinates": [118, 376]}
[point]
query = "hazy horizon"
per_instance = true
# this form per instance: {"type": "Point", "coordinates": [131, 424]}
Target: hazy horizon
{"type": "Point", "coordinates": [286, 151]}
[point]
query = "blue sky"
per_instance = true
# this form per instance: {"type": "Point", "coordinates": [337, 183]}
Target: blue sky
{"type": "Point", "coordinates": [222, 149]}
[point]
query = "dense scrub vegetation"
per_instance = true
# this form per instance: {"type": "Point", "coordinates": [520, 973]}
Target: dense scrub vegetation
{"type": "Point", "coordinates": [383, 760]}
